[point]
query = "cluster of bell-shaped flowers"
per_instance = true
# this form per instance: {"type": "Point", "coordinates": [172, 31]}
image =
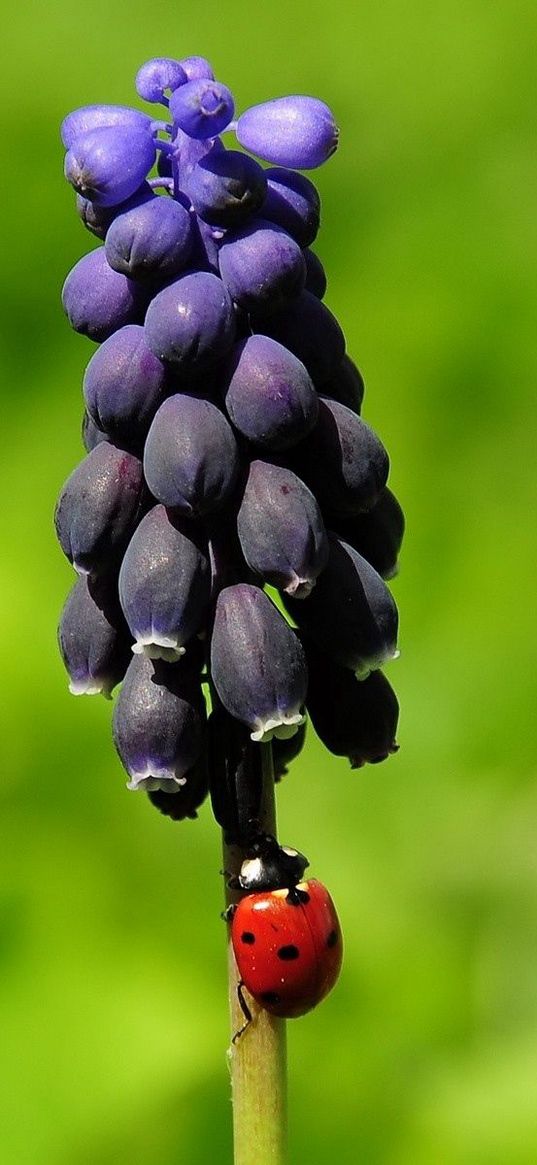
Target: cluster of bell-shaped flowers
{"type": "Point", "coordinates": [225, 446]}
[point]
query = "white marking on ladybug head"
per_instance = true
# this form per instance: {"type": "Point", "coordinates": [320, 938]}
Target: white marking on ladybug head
{"type": "Point", "coordinates": [291, 853]}
{"type": "Point", "coordinates": [251, 871]}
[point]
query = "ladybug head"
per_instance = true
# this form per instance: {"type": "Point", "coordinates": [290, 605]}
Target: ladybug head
{"type": "Point", "coordinates": [270, 866]}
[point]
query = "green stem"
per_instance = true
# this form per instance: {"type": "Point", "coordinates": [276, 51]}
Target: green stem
{"type": "Point", "coordinates": [257, 1062]}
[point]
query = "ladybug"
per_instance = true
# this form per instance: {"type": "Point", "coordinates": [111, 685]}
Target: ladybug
{"type": "Point", "coordinates": [286, 938]}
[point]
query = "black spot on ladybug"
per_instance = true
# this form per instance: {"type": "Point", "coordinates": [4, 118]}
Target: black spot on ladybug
{"type": "Point", "coordinates": [269, 997]}
{"type": "Point", "coordinates": [247, 937]}
{"type": "Point", "coordinates": [288, 953]}
{"type": "Point", "coordinates": [296, 897]}
{"type": "Point", "coordinates": [332, 938]}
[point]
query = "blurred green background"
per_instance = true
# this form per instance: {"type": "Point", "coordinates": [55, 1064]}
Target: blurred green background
{"type": "Point", "coordinates": [112, 981]}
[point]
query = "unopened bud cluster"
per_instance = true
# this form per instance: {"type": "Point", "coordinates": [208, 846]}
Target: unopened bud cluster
{"type": "Point", "coordinates": [225, 446]}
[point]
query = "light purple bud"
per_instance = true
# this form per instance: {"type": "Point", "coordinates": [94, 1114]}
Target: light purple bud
{"type": "Point", "coordinates": [225, 187]}
{"type": "Point", "coordinates": [97, 301]}
{"type": "Point", "coordinates": [190, 151]}
{"type": "Point", "coordinates": [308, 329]}
{"type": "Point", "coordinates": [299, 132]}
{"type": "Point", "coordinates": [159, 723]}
{"type": "Point", "coordinates": [98, 508]}
{"type": "Point", "coordinates": [97, 219]}
{"type": "Point", "coordinates": [292, 202]}
{"type": "Point", "coordinates": [342, 460]}
{"type": "Point", "coordinates": [281, 530]}
{"type": "Point", "coordinates": [191, 323]}
{"type": "Point", "coordinates": [262, 267]}
{"type": "Point", "coordinates": [124, 384]}
{"type": "Point", "coordinates": [257, 663]}
{"type": "Point", "coordinates": [165, 584]}
{"type": "Point", "coordinates": [202, 108]}
{"type": "Point", "coordinates": [350, 613]}
{"type": "Point", "coordinates": [93, 639]}
{"type": "Point", "coordinates": [91, 117]}
{"type": "Point", "coordinates": [153, 239]}
{"type": "Point", "coordinates": [191, 459]}
{"type": "Point", "coordinates": [206, 246]}
{"type": "Point", "coordinates": [108, 164]}
{"type": "Point", "coordinates": [159, 74]}
{"type": "Point", "coordinates": [197, 68]}
{"type": "Point", "coordinates": [269, 396]}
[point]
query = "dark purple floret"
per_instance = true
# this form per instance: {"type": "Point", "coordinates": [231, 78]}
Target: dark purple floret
{"type": "Point", "coordinates": [354, 718]}
{"type": "Point", "coordinates": [292, 202]}
{"type": "Point", "coordinates": [151, 240]}
{"type": "Point", "coordinates": [93, 639]}
{"type": "Point", "coordinates": [350, 613]}
{"type": "Point", "coordinates": [295, 131]}
{"type": "Point", "coordinates": [92, 435]}
{"type": "Point", "coordinates": [342, 460]}
{"type": "Point", "coordinates": [286, 751]}
{"type": "Point", "coordinates": [281, 530]}
{"type": "Point", "coordinates": [228, 565]}
{"type": "Point", "coordinates": [97, 300]}
{"type": "Point", "coordinates": [269, 396]}
{"type": "Point", "coordinates": [191, 323]}
{"type": "Point", "coordinates": [376, 535]}
{"type": "Point", "coordinates": [159, 723]}
{"type": "Point", "coordinates": [107, 165]}
{"type": "Point", "coordinates": [158, 75]}
{"type": "Point", "coordinates": [185, 799]}
{"type": "Point", "coordinates": [257, 663]}
{"type": "Point", "coordinates": [90, 117]}
{"type": "Point", "coordinates": [262, 267]}
{"type": "Point", "coordinates": [165, 584]}
{"type": "Point", "coordinates": [191, 458]}
{"type": "Point", "coordinates": [202, 108]}
{"type": "Point", "coordinates": [124, 384]}
{"type": "Point", "coordinates": [315, 274]}
{"type": "Point", "coordinates": [311, 332]}
{"type": "Point", "coordinates": [98, 508]}
{"type": "Point", "coordinates": [225, 187]}
{"type": "Point", "coordinates": [346, 385]}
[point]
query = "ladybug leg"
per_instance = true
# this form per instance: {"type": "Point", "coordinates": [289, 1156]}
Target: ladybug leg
{"type": "Point", "coordinates": [232, 882]}
{"type": "Point", "coordinates": [245, 1011]}
{"type": "Point", "coordinates": [227, 914]}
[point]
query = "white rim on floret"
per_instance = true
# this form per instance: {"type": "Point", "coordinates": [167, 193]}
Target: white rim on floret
{"type": "Point", "coordinates": [374, 662]}
{"type": "Point", "coordinates": [300, 588]}
{"type": "Point", "coordinates": [90, 687]}
{"type": "Point", "coordinates": [281, 725]}
{"type": "Point", "coordinates": [150, 780]}
{"type": "Point", "coordinates": [158, 646]}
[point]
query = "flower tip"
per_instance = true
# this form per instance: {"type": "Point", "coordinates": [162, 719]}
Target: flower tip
{"type": "Point", "coordinates": [161, 647]}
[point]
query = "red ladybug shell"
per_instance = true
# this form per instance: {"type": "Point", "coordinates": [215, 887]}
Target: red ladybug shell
{"type": "Point", "coordinates": [288, 952]}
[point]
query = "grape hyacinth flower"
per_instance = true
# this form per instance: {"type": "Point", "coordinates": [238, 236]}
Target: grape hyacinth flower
{"type": "Point", "coordinates": [222, 423]}
{"type": "Point", "coordinates": [225, 452]}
